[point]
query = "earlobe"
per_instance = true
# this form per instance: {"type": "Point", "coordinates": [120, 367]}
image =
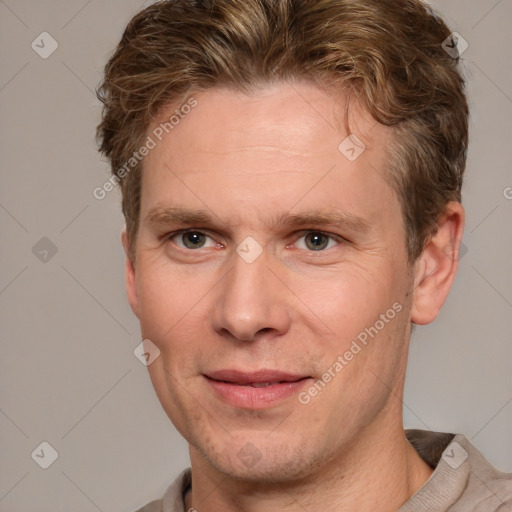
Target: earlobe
{"type": "Point", "coordinates": [437, 267]}
{"type": "Point", "coordinates": [129, 276]}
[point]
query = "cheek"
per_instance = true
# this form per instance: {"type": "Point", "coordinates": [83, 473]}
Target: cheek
{"type": "Point", "coordinates": [366, 315]}
{"type": "Point", "coordinates": [367, 360]}
{"type": "Point", "coordinates": [347, 299]}
{"type": "Point", "coordinates": [161, 302]}
{"type": "Point", "coordinates": [173, 309]}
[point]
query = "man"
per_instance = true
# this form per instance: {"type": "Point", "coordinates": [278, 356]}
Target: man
{"type": "Point", "coordinates": [291, 175]}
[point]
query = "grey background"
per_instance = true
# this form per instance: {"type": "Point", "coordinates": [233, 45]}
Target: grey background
{"type": "Point", "coordinates": [68, 372]}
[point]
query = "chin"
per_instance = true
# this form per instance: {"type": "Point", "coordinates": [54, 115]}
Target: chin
{"type": "Point", "coordinates": [264, 462]}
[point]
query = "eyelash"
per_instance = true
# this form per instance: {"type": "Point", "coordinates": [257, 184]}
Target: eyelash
{"type": "Point", "coordinates": [303, 233]}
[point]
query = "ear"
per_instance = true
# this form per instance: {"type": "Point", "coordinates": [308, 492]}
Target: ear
{"type": "Point", "coordinates": [129, 276]}
{"type": "Point", "coordinates": [437, 266]}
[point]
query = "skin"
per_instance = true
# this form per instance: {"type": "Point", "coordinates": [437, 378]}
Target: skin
{"type": "Point", "coordinates": [245, 159]}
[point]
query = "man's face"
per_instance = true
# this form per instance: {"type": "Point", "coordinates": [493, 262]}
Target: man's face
{"type": "Point", "coordinates": [231, 314]}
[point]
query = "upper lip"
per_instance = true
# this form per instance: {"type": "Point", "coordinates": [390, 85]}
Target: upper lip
{"type": "Point", "coordinates": [247, 377]}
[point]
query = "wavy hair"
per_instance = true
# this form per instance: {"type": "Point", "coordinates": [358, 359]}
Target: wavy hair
{"type": "Point", "coordinates": [388, 52]}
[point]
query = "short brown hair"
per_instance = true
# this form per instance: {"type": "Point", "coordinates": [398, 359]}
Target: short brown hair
{"type": "Point", "coordinates": [389, 52]}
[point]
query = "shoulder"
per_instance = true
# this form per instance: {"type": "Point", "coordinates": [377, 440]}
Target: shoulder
{"type": "Point", "coordinates": [463, 479]}
{"type": "Point", "coordinates": [487, 489]}
{"type": "Point", "coordinates": [154, 506]}
{"type": "Point", "coordinates": [172, 501]}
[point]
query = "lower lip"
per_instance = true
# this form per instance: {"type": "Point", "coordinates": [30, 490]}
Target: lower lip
{"type": "Point", "coordinates": [249, 397]}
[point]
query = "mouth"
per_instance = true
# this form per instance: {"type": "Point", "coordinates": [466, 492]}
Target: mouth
{"type": "Point", "coordinates": [255, 390]}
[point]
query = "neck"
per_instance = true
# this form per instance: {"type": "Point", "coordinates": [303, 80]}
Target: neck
{"type": "Point", "coordinates": [380, 470]}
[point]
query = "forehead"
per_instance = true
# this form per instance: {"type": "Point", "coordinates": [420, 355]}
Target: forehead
{"type": "Point", "coordinates": [284, 144]}
{"type": "Point", "coordinates": [299, 117]}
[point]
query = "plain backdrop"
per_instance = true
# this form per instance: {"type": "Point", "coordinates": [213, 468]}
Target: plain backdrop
{"type": "Point", "coordinates": [68, 373]}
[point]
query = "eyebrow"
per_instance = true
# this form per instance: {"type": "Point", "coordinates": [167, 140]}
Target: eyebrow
{"type": "Point", "coordinates": [168, 216]}
{"type": "Point", "coordinates": [164, 216]}
{"type": "Point", "coordinates": [336, 217]}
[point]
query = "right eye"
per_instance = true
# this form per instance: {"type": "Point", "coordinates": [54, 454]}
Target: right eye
{"type": "Point", "coordinates": [191, 239]}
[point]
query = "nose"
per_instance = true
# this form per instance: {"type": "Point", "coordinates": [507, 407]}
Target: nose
{"type": "Point", "coordinates": [251, 302]}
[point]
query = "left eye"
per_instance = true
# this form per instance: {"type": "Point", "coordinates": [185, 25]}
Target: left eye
{"type": "Point", "coordinates": [316, 241]}
{"type": "Point", "coordinates": [191, 240]}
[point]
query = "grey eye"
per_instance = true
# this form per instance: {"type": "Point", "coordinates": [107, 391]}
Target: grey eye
{"type": "Point", "coordinates": [316, 241]}
{"type": "Point", "coordinates": [193, 239]}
